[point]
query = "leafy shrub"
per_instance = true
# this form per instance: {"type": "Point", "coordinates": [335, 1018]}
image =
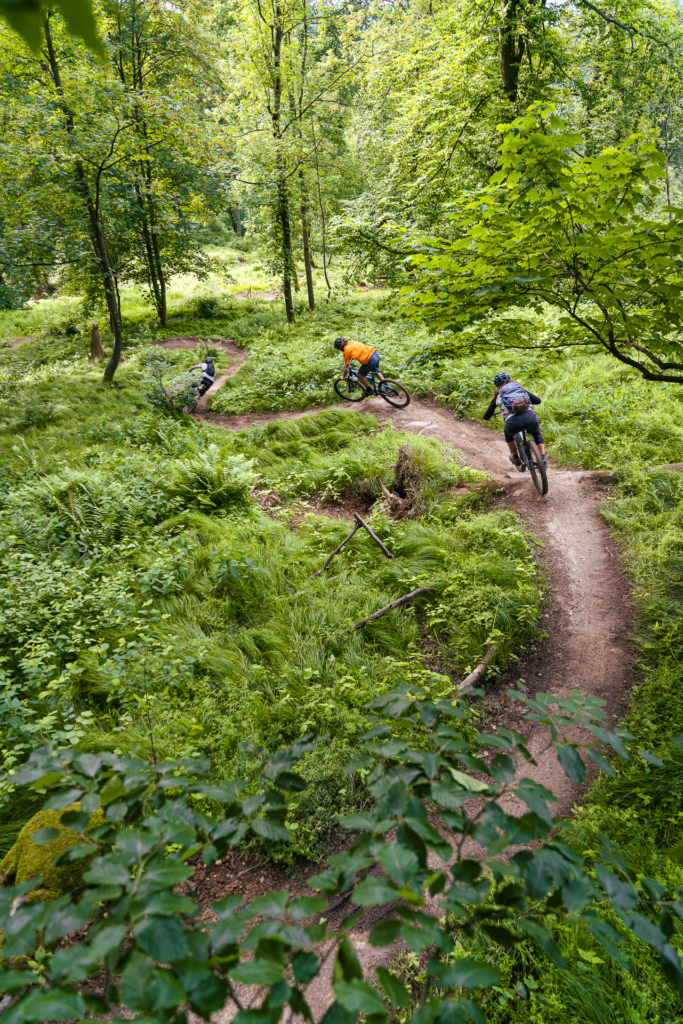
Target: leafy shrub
{"type": "Point", "coordinates": [207, 307]}
{"type": "Point", "coordinates": [40, 414]}
{"type": "Point", "coordinates": [523, 898]}
{"type": "Point", "coordinates": [167, 392]}
{"type": "Point", "coordinates": [214, 478]}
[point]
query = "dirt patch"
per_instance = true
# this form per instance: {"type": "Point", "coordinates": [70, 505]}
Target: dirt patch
{"type": "Point", "coordinates": [267, 296]}
{"type": "Point", "coordinates": [20, 341]}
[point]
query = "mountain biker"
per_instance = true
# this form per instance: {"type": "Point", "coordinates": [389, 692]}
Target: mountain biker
{"type": "Point", "coordinates": [208, 375]}
{"type": "Point", "coordinates": [367, 356]}
{"type": "Point", "coordinates": [515, 403]}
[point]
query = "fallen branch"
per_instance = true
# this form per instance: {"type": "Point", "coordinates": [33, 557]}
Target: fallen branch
{"type": "Point", "coordinates": [394, 604]}
{"type": "Point", "coordinates": [474, 677]}
{"type": "Point", "coordinates": [336, 551]}
{"type": "Point", "coordinates": [361, 522]}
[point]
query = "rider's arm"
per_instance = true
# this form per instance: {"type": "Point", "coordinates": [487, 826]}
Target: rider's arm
{"type": "Point", "coordinates": [197, 367]}
{"type": "Point", "coordinates": [534, 399]}
{"type": "Point", "coordinates": [491, 409]}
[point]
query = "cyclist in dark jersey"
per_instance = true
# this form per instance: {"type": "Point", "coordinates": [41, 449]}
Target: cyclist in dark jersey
{"type": "Point", "coordinates": [208, 375]}
{"type": "Point", "coordinates": [518, 417]}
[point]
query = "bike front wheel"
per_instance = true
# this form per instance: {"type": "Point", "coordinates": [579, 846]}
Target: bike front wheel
{"type": "Point", "coordinates": [536, 467]}
{"type": "Point", "coordinates": [350, 390]}
{"type": "Point", "coordinates": [394, 393]}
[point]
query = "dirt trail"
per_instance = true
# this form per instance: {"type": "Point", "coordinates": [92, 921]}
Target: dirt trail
{"type": "Point", "coordinates": [588, 619]}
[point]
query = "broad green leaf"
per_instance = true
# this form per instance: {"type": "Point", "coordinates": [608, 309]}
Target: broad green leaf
{"type": "Point", "coordinates": [305, 967]}
{"type": "Point", "coordinates": [464, 973]}
{"type": "Point", "coordinates": [571, 762]}
{"type": "Point", "coordinates": [45, 835]}
{"type": "Point", "coordinates": [359, 996]}
{"type": "Point", "coordinates": [305, 906]}
{"type": "Point", "coordinates": [375, 890]}
{"type": "Point", "coordinates": [395, 990]}
{"type": "Point", "coordinates": [271, 905]}
{"type": "Point", "coordinates": [270, 829]}
{"type": "Point", "coordinates": [162, 938]}
{"type": "Point", "coordinates": [257, 972]}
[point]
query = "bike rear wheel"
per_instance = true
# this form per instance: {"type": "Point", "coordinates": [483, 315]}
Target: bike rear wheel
{"type": "Point", "coordinates": [393, 393]}
{"type": "Point", "coordinates": [536, 467]}
{"type": "Point", "coordinates": [350, 390]}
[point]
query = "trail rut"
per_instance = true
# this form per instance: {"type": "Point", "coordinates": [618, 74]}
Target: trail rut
{"type": "Point", "coordinates": [588, 618]}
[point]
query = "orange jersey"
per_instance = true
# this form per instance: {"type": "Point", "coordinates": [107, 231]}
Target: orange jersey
{"type": "Point", "coordinates": [357, 350]}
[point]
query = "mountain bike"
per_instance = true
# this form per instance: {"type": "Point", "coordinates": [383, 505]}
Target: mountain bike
{"type": "Point", "coordinates": [532, 460]}
{"type": "Point", "coordinates": [351, 389]}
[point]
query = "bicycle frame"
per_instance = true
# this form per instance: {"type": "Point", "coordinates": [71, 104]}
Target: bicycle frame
{"type": "Point", "coordinates": [520, 441]}
{"type": "Point", "coordinates": [370, 378]}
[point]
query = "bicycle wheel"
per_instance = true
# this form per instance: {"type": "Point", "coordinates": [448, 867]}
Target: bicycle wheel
{"type": "Point", "coordinates": [394, 393]}
{"type": "Point", "coordinates": [350, 390]}
{"type": "Point", "coordinates": [520, 441]}
{"type": "Point", "coordinates": [536, 467]}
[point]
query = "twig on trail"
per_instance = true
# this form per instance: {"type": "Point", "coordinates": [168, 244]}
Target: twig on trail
{"type": "Point", "coordinates": [479, 671]}
{"type": "Point", "coordinates": [394, 604]}
{"type": "Point", "coordinates": [253, 486]}
{"type": "Point", "coordinates": [372, 533]}
{"type": "Point", "coordinates": [336, 551]}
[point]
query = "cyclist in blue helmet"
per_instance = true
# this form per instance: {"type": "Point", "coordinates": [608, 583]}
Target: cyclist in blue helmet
{"type": "Point", "coordinates": [515, 403]}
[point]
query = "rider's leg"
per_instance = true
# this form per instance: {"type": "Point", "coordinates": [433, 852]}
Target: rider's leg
{"type": "Point", "coordinates": [511, 427]}
{"type": "Point", "coordinates": [534, 428]}
{"type": "Point", "coordinates": [372, 366]}
{"type": "Point", "coordinates": [364, 381]}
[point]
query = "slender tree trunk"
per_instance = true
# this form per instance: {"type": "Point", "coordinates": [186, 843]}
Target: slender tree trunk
{"type": "Point", "coordinates": [322, 211]}
{"type": "Point", "coordinates": [97, 232]}
{"type": "Point", "coordinates": [238, 221]}
{"type": "Point", "coordinates": [280, 170]}
{"type": "Point", "coordinates": [286, 228]}
{"type": "Point", "coordinates": [305, 232]}
{"type": "Point", "coordinates": [511, 50]}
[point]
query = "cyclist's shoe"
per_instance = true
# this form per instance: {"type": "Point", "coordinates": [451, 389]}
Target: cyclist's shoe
{"type": "Point", "coordinates": [545, 461]}
{"type": "Point", "coordinates": [517, 462]}
{"type": "Point", "coordinates": [369, 393]}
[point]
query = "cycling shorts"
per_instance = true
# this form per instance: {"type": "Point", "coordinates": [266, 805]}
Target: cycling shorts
{"type": "Point", "coordinates": [528, 421]}
{"type": "Point", "coordinates": [372, 365]}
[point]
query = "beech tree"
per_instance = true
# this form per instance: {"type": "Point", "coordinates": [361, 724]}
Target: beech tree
{"type": "Point", "coordinates": [579, 233]}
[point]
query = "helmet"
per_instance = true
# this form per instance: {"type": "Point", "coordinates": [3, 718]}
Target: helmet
{"type": "Point", "coordinates": [501, 378]}
{"type": "Point", "coordinates": [339, 343]}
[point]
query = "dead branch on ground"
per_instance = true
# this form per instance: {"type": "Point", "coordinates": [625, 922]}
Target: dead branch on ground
{"type": "Point", "coordinates": [478, 673]}
{"type": "Point", "coordinates": [394, 604]}
{"type": "Point", "coordinates": [359, 523]}
{"type": "Point", "coordinates": [336, 551]}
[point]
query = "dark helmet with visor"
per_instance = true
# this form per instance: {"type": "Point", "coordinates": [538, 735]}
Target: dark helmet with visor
{"type": "Point", "coordinates": [501, 378]}
{"type": "Point", "coordinates": [339, 343]}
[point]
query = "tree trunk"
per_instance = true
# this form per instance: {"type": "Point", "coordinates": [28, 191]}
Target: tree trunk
{"type": "Point", "coordinates": [282, 195]}
{"type": "Point", "coordinates": [97, 232]}
{"type": "Point", "coordinates": [305, 232]}
{"type": "Point", "coordinates": [96, 350]}
{"type": "Point", "coordinates": [286, 228]}
{"type": "Point", "coordinates": [238, 221]}
{"type": "Point", "coordinates": [511, 50]}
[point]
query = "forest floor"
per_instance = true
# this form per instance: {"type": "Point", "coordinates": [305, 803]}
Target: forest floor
{"type": "Point", "coordinates": [587, 621]}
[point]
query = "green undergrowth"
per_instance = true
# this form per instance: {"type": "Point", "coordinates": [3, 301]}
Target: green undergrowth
{"type": "Point", "coordinates": [148, 602]}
